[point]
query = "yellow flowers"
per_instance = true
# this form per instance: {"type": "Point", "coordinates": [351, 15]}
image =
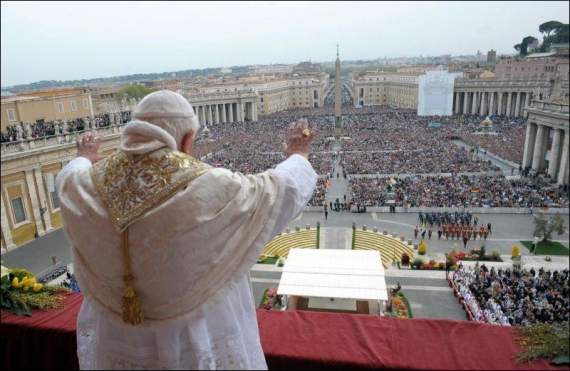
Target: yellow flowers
{"type": "Point", "coordinates": [15, 283]}
{"type": "Point", "coordinates": [26, 284]}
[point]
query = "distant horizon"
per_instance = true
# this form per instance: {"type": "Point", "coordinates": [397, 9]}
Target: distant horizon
{"type": "Point", "coordinates": [265, 64]}
{"type": "Point", "coordinates": [65, 41]}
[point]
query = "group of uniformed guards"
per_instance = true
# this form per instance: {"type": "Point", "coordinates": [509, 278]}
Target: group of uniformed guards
{"type": "Point", "coordinates": [446, 217]}
{"type": "Point", "coordinates": [462, 230]}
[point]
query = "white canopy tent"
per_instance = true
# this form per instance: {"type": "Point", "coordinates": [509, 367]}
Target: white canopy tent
{"type": "Point", "coordinates": [339, 274]}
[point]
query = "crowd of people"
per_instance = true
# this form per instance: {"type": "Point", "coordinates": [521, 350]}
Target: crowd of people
{"type": "Point", "coordinates": [456, 191]}
{"type": "Point", "coordinates": [404, 130]}
{"type": "Point", "coordinates": [376, 141]}
{"type": "Point", "coordinates": [41, 129]}
{"type": "Point", "coordinates": [514, 297]}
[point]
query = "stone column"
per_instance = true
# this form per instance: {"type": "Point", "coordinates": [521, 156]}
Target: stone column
{"type": "Point", "coordinates": [240, 111]}
{"type": "Point", "coordinates": [457, 102]}
{"type": "Point", "coordinates": [500, 104]}
{"type": "Point", "coordinates": [491, 103]}
{"type": "Point", "coordinates": [43, 201]}
{"type": "Point", "coordinates": [553, 165]}
{"type": "Point", "coordinates": [537, 154]}
{"type": "Point", "coordinates": [224, 117]}
{"type": "Point", "coordinates": [465, 103]}
{"type": "Point", "coordinates": [35, 208]}
{"type": "Point", "coordinates": [482, 105]}
{"type": "Point", "coordinates": [529, 144]}
{"type": "Point", "coordinates": [231, 112]}
{"type": "Point", "coordinates": [217, 113]}
{"type": "Point", "coordinates": [518, 105]}
{"type": "Point", "coordinates": [254, 110]}
{"type": "Point", "coordinates": [509, 103]}
{"type": "Point", "coordinates": [203, 114]}
{"type": "Point", "coordinates": [5, 225]}
{"type": "Point", "coordinates": [563, 170]}
{"type": "Point", "coordinates": [474, 103]}
{"type": "Point", "coordinates": [527, 99]}
{"type": "Point", "coordinates": [209, 114]}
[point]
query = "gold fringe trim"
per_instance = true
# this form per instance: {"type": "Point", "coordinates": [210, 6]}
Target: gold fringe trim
{"type": "Point", "coordinates": [131, 305]}
{"type": "Point", "coordinates": [132, 311]}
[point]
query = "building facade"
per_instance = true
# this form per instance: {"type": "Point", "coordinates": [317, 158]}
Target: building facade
{"type": "Point", "coordinates": [275, 94]}
{"type": "Point", "coordinates": [29, 204]}
{"type": "Point", "coordinates": [396, 89]}
{"type": "Point", "coordinates": [550, 64]}
{"type": "Point", "coordinates": [546, 141]}
{"type": "Point", "coordinates": [46, 106]}
{"type": "Point", "coordinates": [501, 96]}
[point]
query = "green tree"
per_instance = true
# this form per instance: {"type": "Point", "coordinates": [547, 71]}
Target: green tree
{"type": "Point", "coordinates": [133, 91]}
{"type": "Point", "coordinates": [555, 32]}
{"type": "Point", "coordinates": [544, 227]}
{"type": "Point", "coordinates": [522, 48]}
{"type": "Point", "coordinates": [549, 27]}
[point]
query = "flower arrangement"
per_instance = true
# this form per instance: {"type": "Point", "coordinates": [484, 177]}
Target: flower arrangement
{"type": "Point", "coordinates": [548, 258]}
{"type": "Point", "coordinates": [20, 292]}
{"type": "Point", "coordinates": [271, 300]}
{"type": "Point", "coordinates": [473, 255]}
{"type": "Point", "coordinates": [396, 307]}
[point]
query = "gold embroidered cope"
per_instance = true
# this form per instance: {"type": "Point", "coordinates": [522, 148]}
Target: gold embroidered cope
{"type": "Point", "coordinates": [131, 185]}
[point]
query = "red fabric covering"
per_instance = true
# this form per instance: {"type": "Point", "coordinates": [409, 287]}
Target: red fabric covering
{"type": "Point", "coordinates": [311, 340]}
{"type": "Point", "coordinates": [296, 340]}
{"type": "Point", "coordinates": [45, 341]}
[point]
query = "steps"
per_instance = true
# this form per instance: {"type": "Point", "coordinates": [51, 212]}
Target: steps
{"type": "Point", "coordinates": [281, 245]}
{"type": "Point", "coordinates": [388, 246]}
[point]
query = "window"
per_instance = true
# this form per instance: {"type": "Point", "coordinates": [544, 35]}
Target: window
{"type": "Point", "coordinates": [85, 104]}
{"type": "Point", "coordinates": [261, 99]}
{"type": "Point", "coordinates": [11, 115]}
{"type": "Point", "coordinates": [54, 200]}
{"type": "Point", "coordinates": [60, 107]}
{"type": "Point", "coordinates": [18, 209]}
{"type": "Point", "coordinates": [73, 105]}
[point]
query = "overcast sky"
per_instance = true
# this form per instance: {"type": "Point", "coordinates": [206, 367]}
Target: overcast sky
{"type": "Point", "coordinates": [83, 40]}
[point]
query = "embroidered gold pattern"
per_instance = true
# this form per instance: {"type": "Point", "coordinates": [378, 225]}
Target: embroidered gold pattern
{"type": "Point", "coordinates": [131, 185]}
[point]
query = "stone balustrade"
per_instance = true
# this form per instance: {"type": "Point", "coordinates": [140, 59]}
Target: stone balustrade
{"type": "Point", "coordinates": [55, 140]}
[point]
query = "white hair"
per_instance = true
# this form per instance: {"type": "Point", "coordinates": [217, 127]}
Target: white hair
{"type": "Point", "coordinates": [175, 126]}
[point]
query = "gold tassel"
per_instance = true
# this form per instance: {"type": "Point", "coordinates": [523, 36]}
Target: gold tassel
{"type": "Point", "coordinates": [131, 306]}
{"type": "Point", "coordinates": [132, 311]}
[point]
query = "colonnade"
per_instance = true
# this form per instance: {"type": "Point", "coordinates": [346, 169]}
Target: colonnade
{"type": "Point", "coordinates": [546, 141]}
{"type": "Point", "coordinates": [491, 103]}
{"type": "Point", "coordinates": [217, 113]}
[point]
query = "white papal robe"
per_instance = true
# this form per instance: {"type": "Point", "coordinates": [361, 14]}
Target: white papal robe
{"type": "Point", "coordinates": [189, 259]}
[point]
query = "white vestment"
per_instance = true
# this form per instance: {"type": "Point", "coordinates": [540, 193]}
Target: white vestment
{"type": "Point", "coordinates": [189, 259]}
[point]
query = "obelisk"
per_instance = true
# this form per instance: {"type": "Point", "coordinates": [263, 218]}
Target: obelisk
{"type": "Point", "coordinates": [337, 99]}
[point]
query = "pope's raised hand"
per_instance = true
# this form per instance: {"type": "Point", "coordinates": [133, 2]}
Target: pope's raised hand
{"type": "Point", "coordinates": [88, 147]}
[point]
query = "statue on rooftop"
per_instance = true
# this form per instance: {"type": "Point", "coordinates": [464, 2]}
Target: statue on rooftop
{"type": "Point", "coordinates": [19, 133]}
{"type": "Point", "coordinates": [27, 130]}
